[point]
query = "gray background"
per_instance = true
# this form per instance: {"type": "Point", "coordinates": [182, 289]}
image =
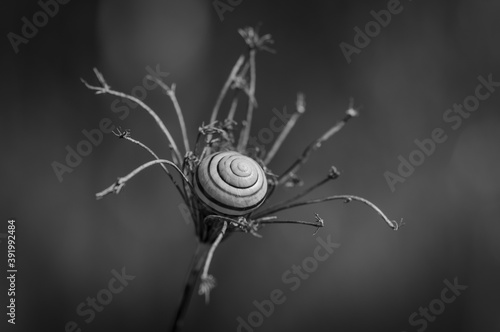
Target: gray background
{"type": "Point", "coordinates": [426, 59]}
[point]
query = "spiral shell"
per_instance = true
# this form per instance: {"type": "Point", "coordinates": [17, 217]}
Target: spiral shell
{"type": "Point", "coordinates": [231, 183]}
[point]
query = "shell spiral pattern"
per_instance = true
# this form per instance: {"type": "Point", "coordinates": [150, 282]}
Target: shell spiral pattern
{"type": "Point", "coordinates": [231, 183]}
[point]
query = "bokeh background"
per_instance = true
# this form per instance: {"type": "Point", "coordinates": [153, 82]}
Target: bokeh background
{"type": "Point", "coordinates": [424, 61]}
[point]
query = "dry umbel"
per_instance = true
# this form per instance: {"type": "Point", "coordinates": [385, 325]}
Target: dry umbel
{"type": "Point", "coordinates": [224, 182]}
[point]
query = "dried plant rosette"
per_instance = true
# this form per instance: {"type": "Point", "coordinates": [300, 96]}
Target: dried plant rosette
{"type": "Point", "coordinates": [224, 182]}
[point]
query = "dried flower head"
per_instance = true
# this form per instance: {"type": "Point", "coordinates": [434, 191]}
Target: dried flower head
{"type": "Point", "coordinates": [213, 224]}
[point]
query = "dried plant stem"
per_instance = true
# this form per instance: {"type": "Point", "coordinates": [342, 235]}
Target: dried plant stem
{"type": "Point", "coordinates": [194, 273]}
{"type": "Point", "coordinates": [347, 198]}
{"type": "Point", "coordinates": [299, 110]}
{"type": "Point", "coordinates": [208, 281]}
{"type": "Point", "coordinates": [316, 145]}
{"type": "Point", "coordinates": [229, 122]}
{"type": "Point", "coordinates": [128, 138]}
{"type": "Point", "coordinates": [225, 88]}
{"type": "Point", "coordinates": [234, 105]}
{"type": "Point", "coordinates": [197, 143]}
{"type": "Point", "coordinates": [105, 88]}
{"type": "Point", "coordinates": [245, 131]}
{"type": "Point", "coordinates": [202, 132]}
{"type": "Point", "coordinates": [170, 91]}
{"type": "Point", "coordinates": [294, 198]}
{"type": "Point", "coordinates": [243, 72]}
{"type": "Point", "coordinates": [239, 84]}
{"type": "Point", "coordinates": [118, 185]}
{"type": "Point", "coordinates": [218, 218]}
{"type": "Point", "coordinates": [266, 220]}
{"type": "Point", "coordinates": [204, 152]}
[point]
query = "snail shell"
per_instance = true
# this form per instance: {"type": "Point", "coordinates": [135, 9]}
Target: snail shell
{"type": "Point", "coordinates": [231, 183]}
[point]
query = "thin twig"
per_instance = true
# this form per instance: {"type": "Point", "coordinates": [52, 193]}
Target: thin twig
{"type": "Point", "coordinates": [105, 88]}
{"type": "Point", "coordinates": [197, 264]}
{"type": "Point", "coordinates": [204, 152]}
{"type": "Point", "coordinates": [126, 135]}
{"type": "Point", "coordinates": [234, 105]}
{"type": "Point", "coordinates": [347, 198]}
{"type": "Point", "coordinates": [230, 79]}
{"type": "Point", "coordinates": [241, 223]}
{"type": "Point", "coordinates": [299, 110]}
{"type": "Point", "coordinates": [231, 221]}
{"type": "Point", "coordinates": [203, 131]}
{"type": "Point", "coordinates": [245, 131]}
{"type": "Point", "coordinates": [118, 185]}
{"type": "Point", "coordinates": [350, 113]}
{"type": "Point", "coordinates": [332, 175]}
{"type": "Point", "coordinates": [241, 76]}
{"type": "Point", "coordinates": [170, 91]}
{"type": "Point", "coordinates": [239, 84]}
{"type": "Point", "coordinates": [318, 223]}
{"type": "Point", "coordinates": [197, 142]}
{"type": "Point", "coordinates": [208, 281]}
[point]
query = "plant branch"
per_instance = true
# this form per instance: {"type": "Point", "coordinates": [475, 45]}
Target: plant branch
{"type": "Point", "coordinates": [126, 135]}
{"type": "Point", "coordinates": [245, 131]}
{"type": "Point", "coordinates": [347, 198]}
{"type": "Point", "coordinates": [271, 220]}
{"type": "Point", "coordinates": [197, 264]}
{"type": "Point", "coordinates": [208, 281]}
{"type": "Point", "coordinates": [118, 185]}
{"type": "Point", "coordinates": [170, 91]}
{"type": "Point", "coordinates": [105, 88]}
{"type": "Point", "coordinates": [332, 175]}
{"type": "Point", "coordinates": [225, 88]}
{"type": "Point", "coordinates": [232, 110]}
{"type": "Point", "coordinates": [299, 110]}
{"type": "Point", "coordinates": [350, 113]}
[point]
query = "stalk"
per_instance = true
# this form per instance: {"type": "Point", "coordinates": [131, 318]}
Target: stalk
{"type": "Point", "coordinates": [197, 264]}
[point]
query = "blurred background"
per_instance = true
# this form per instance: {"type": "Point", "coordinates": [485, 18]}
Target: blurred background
{"type": "Point", "coordinates": [426, 59]}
